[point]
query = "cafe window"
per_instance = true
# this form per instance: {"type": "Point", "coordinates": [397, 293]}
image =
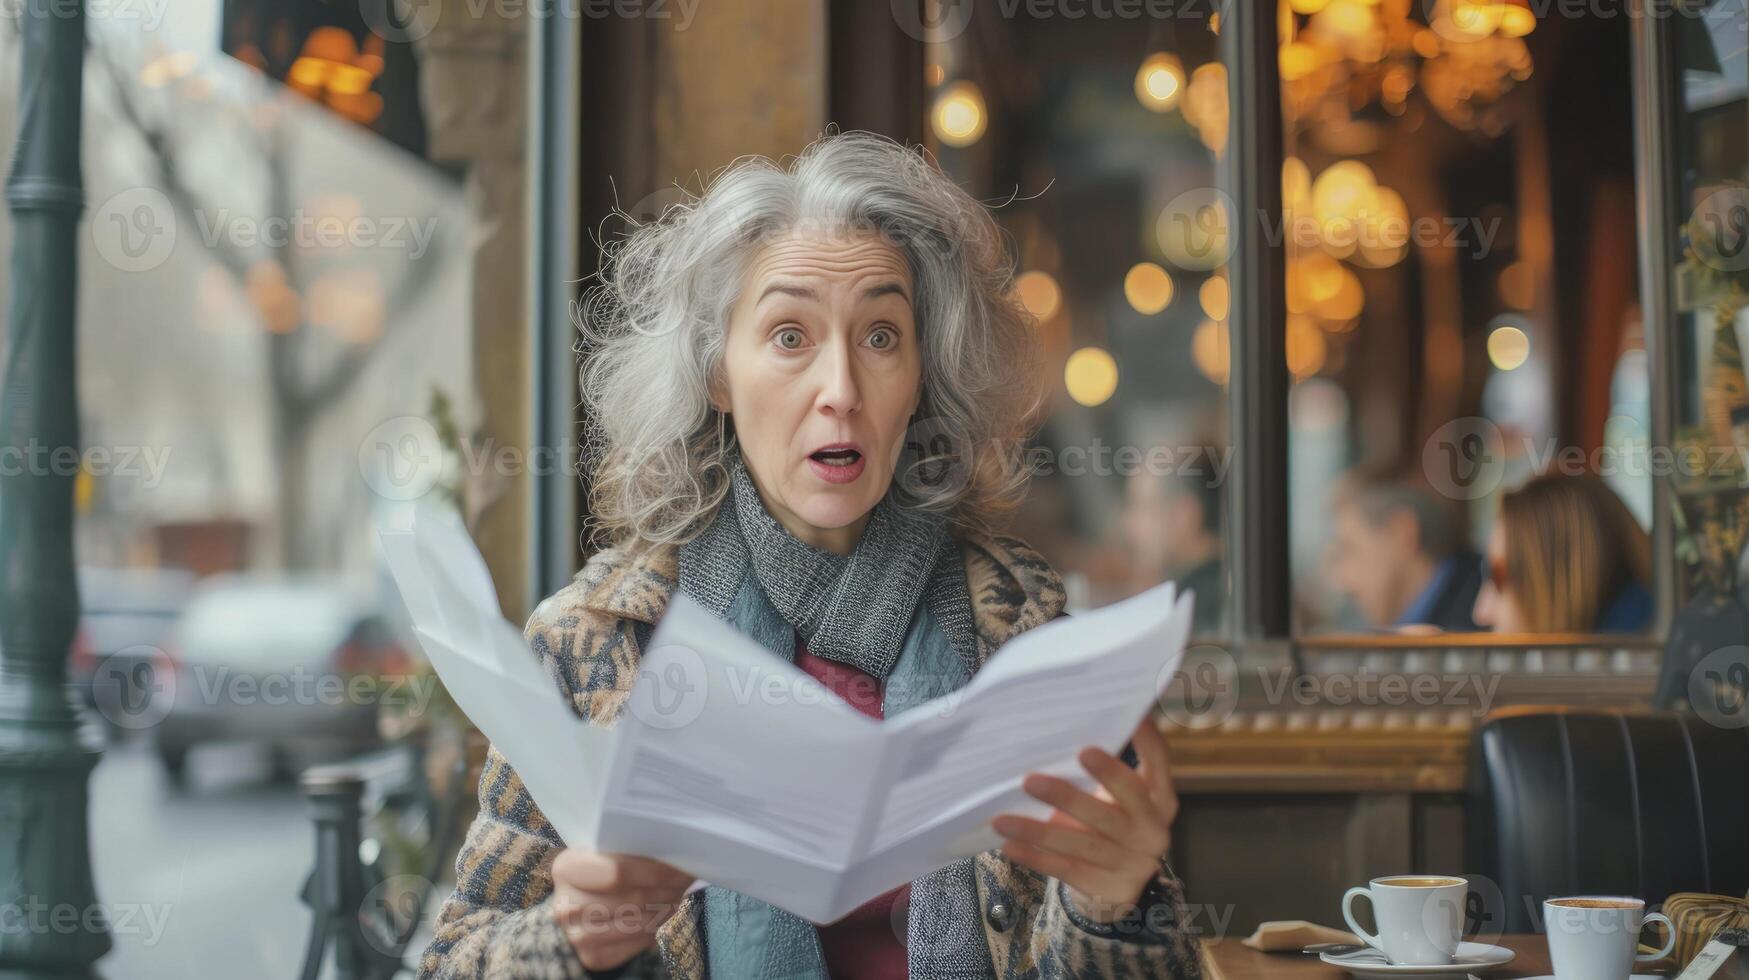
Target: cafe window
{"type": "Point", "coordinates": [1096, 140]}
{"type": "Point", "coordinates": [1462, 314]}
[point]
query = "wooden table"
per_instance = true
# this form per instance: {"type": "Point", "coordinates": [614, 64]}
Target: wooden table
{"type": "Point", "coordinates": [1227, 959]}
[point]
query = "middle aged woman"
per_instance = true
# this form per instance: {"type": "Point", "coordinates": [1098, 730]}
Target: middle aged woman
{"type": "Point", "coordinates": [759, 361]}
{"type": "Point", "coordinates": [1566, 556]}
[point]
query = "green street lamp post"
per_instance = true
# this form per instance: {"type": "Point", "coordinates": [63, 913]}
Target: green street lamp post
{"type": "Point", "coordinates": [51, 924]}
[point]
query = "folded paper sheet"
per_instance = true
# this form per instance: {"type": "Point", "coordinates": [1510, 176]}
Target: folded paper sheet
{"type": "Point", "coordinates": [741, 769]}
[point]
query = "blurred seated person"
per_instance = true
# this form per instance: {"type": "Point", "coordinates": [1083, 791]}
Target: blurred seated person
{"type": "Point", "coordinates": [1173, 523]}
{"type": "Point", "coordinates": [1396, 553]}
{"type": "Point", "coordinates": [1566, 556]}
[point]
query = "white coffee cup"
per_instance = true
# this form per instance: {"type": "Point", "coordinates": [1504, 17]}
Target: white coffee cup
{"type": "Point", "coordinates": [1594, 937]}
{"type": "Point", "coordinates": [1420, 917]}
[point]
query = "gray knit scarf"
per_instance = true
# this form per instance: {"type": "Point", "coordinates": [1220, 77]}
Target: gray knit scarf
{"type": "Point", "coordinates": [854, 610]}
{"type": "Point", "coordinates": [897, 608]}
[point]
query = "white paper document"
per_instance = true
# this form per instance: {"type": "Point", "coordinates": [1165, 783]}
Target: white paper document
{"type": "Point", "coordinates": [736, 766]}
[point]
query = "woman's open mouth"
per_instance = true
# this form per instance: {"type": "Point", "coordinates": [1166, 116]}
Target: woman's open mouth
{"type": "Point", "coordinates": [837, 463]}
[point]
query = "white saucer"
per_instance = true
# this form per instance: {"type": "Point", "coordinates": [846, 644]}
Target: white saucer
{"type": "Point", "coordinates": [1471, 958]}
{"type": "Point", "coordinates": [1637, 976]}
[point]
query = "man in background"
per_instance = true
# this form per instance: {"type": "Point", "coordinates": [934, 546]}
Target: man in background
{"type": "Point", "coordinates": [1173, 528]}
{"type": "Point", "coordinates": [1397, 554]}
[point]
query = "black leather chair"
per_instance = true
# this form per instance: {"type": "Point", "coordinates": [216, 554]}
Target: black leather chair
{"type": "Point", "coordinates": [1575, 802]}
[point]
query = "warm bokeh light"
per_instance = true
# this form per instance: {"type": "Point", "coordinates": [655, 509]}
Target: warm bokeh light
{"type": "Point", "coordinates": [1508, 347]}
{"type": "Point", "coordinates": [1296, 183]}
{"type": "Point", "coordinates": [1518, 285]}
{"type": "Point", "coordinates": [1298, 60]}
{"type": "Point", "coordinates": [1148, 288]}
{"type": "Point", "coordinates": [1209, 351]}
{"type": "Point", "coordinates": [1160, 81]}
{"type": "Point", "coordinates": [1320, 277]}
{"type": "Point", "coordinates": [1345, 303]}
{"type": "Point", "coordinates": [1517, 19]}
{"type": "Point", "coordinates": [1343, 190]}
{"type": "Point", "coordinates": [1214, 297]}
{"type": "Point", "coordinates": [1306, 348]}
{"type": "Point", "coordinates": [959, 117]}
{"type": "Point", "coordinates": [1039, 293]}
{"type": "Point", "coordinates": [1090, 376]}
{"type": "Point", "coordinates": [1205, 104]}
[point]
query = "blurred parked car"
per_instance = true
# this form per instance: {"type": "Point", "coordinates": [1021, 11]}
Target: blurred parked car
{"type": "Point", "coordinates": [125, 618]}
{"type": "Point", "coordinates": [300, 664]}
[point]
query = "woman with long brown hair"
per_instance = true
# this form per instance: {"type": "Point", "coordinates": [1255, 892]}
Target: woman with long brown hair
{"type": "Point", "coordinates": [1566, 556]}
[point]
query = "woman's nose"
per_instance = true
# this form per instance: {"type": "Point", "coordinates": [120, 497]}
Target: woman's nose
{"type": "Point", "coordinates": [839, 393]}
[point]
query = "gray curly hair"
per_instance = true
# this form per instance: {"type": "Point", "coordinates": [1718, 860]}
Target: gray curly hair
{"type": "Point", "coordinates": [653, 337]}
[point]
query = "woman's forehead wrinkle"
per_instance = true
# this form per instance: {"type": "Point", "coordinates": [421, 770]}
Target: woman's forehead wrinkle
{"type": "Point", "coordinates": [802, 259]}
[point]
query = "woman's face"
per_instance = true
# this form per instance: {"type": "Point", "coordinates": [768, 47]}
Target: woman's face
{"type": "Point", "coordinates": [821, 374]}
{"type": "Point", "coordinates": [1496, 607]}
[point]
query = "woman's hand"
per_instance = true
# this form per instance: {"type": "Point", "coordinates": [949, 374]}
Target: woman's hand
{"type": "Point", "coordinates": [610, 905]}
{"type": "Point", "coordinates": [1105, 846]}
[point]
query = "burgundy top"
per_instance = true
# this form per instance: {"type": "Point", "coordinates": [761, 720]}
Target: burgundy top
{"type": "Point", "coordinates": [865, 944]}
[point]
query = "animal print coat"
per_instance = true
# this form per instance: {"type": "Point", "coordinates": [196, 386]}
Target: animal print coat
{"type": "Point", "coordinates": [499, 922]}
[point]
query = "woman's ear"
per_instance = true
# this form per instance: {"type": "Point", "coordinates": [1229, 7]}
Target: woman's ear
{"type": "Point", "coordinates": [718, 398]}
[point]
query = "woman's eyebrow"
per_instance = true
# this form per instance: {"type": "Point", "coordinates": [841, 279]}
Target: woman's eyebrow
{"type": "Point", "coordinates": [893, 288]}
{"type": "Point", "coordinates": [787, 289]}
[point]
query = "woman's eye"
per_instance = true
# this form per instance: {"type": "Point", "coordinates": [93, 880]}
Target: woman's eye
{"type": "Point", "coordinates": [789, 338]}
{"type": "Point", "coordinates": [883, 339]}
